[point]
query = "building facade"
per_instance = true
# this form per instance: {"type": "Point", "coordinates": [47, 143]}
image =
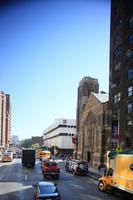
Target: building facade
{"type": "Point", "coordinates": [5, 120]}
{"type": "Point", "coordinates": [60, 134]}
{"type": "Point", "coordinates": [95, 129]}
{"type": "Point", "coordinates": [37, 139]}
{"type": "Point", "coordinates": [86, 86]}
{"type": "Point", "coordinates": [121, 73]}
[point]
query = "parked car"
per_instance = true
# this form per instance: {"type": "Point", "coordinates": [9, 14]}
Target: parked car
{"type": "Point", "coordinates": [76, 166]}
{"type": "Point", "coordinates": [50, 168]}
{"type": "Point", "coordinates": [46, 190]}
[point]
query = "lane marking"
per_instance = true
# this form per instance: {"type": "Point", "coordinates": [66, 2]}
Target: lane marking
{"type": "Point", "coordinates": [26, 177]}
{"type": "Point", "coordinates": [1, 177]}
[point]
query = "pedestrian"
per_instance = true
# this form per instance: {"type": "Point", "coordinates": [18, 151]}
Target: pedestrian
{"type": "Point", "coordinates": [99, 167]}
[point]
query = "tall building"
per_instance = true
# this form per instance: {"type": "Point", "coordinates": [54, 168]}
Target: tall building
{"type": "Point", "coordinates": [5, 120]}
{"type": "Point", "coordinates": [121, 73]}
{"type": "Point", "coordinates": [60, 134]}
{"type": "Point", "coordinates": [86, 86]}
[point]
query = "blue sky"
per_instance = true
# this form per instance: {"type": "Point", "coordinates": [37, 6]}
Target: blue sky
{"type": "Point", "coordinates": [46, 48]}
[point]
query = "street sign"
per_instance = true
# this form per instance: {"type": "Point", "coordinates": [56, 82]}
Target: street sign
{"type": "Point", "coordinates": [118, 149]}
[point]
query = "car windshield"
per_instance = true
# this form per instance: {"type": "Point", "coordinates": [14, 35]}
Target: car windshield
{"type": "Point", "coordinates": [48, 189]}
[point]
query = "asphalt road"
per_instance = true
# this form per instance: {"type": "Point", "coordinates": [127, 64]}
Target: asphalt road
{"type": "Point", "coordinates": [16, 184]}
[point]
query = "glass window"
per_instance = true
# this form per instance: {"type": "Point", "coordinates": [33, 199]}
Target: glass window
{"type": "Point", "coordinates": [130, 38]}
{"type": "Point", "coordinates": [129, 122]}
{"type": "Point", "coordinates": [131, 22]}
{"type": "Point", "coordinates": [128, 142]}
{"type": "Point", "coordinates": [130, 91]}
{"type": "Point", "coordinates": [115, 98]}
{"type": "Point", "coordinates": [48, 189]}
{"type": "Point", "coordinates": [117, 37]}
{"type": "Point", "coordinates": [117, 22]}
{"type": "Point", "coordinates": [117, 51]}
{"type": "Point", "coordinates": [117, 81]}
{"type": "Point", "coordinates": [130, 73]}
{"type": "Point", "coordinates": [119, 96]}
{"type": "Point", "coordinates": [129, 53]}
{"type": "Point", "coordinates": [117, 66]}
{"type": "Point", "coordinates": [129, 107]}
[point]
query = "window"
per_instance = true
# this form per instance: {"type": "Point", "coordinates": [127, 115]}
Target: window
{"type": "Point", "coordinates": [131, 22]}
{"type": "Point", "coordinates": [129, 107]}
{"type": "Point", "coordinates": [130, 73]}
{"type": "Point", "coordinates": [117, 81]}
{"type": "Point", "coordinates": [129, 123]}
{"type": "Point", "coordinates": [117, 66]}
{"type": "Point", "coordinates": [117, 51]}
{"type": "Point", "coordinates": [129, 53]}
{"type": "Point", "coordinates": [128, 142]}
{"type": "Point", "coordinates": [117, 37]}
{"type": "Point", "coordinates": [117, 97]}
{"type": "Point", "coordinates": [130, 91]}
{"type": "Point", "coordinates": [117, 22]}
{"type": "Point", "coordinates": [130, 38]}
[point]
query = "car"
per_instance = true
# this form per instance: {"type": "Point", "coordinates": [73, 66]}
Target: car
{"type": "Point", "coordinates": [46, 190]}
{"type": "Point", "coordinates": [50, 168]}
{"type": "Point", "coordinates": [76, 166]}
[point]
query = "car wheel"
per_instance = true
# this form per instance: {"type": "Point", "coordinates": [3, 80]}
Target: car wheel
{"type": "Point", "coordinates": [101, 186]}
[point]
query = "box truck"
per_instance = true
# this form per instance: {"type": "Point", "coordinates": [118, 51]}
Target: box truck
{"type": "Point", "coordinates": [120, 176]}
{"type": "Point", "coordinates": [28, 157]}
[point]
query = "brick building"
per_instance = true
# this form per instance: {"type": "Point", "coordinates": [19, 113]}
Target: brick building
{"type": "Point", "coordinates": [5, 120]}
{"type": "Point", "coordinates": [86, 86]}
{"type": "Point", "coordinates": [95, 130]}
{"type": "Point", "coordinates": [121, 73]}
{"type": "Point", "coordinates": [37, 139]}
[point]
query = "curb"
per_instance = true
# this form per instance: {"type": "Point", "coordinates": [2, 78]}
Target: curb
{"type": "Point", "coordinates": [93, 176]}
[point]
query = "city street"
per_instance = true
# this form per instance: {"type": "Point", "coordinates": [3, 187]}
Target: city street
{"type": "Point", "coordinates": [16, 183]}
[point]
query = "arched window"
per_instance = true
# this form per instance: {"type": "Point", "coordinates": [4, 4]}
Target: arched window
{"type": "Point", "coordinates": [117, 51]}
{"type": "Point", "coordinates": [130, 38]}
{"type": "Point", "coordinates": [131, 22]}
{"type": "Point", "coordinates": [129, 53]}
{"type": "Point", "coordinates": [130, 73]}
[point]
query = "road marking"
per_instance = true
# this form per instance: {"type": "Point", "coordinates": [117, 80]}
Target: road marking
{"type": "Point", "coordinates": [26, 177]}
{"type": "Point", "coordinates": [1, 177]}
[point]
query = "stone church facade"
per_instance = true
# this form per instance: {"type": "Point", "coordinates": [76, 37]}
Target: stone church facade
{"type": "Point", "coordinates": [95, 129]}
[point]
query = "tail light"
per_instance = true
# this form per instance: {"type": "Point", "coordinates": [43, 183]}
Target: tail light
{"type": "Point", "coordinates": [58, 198]}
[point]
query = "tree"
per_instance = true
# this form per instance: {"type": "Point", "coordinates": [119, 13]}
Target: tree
{"type": "Point", "coordinates": [27, 143]}
{"type": "Point", "coordinates": [35, 146]}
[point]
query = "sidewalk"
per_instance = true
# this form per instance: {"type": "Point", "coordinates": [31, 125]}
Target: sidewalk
{"type": "Point", "coordinates": [94, 173]}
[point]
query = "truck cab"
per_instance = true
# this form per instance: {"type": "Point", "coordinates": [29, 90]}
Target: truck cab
{"type": "Point", "coordinates": [106, 181]}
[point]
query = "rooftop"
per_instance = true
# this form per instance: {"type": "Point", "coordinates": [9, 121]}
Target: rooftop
{"type": "Point", "coordinates": [101, 97]}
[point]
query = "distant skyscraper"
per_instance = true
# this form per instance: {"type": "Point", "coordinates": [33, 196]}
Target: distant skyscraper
{"type": "Point", "coordinates": [5, 120]}
{"type": "Point", "coordinates": [121, 72]}
{"type": "Point", "coordinates": [86, 86]}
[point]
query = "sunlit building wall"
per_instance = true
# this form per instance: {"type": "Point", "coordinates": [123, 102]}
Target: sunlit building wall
{"type": "Point", "coordinates": [5, 120]}
{"type": "Point", "coordinates": [60, 134]}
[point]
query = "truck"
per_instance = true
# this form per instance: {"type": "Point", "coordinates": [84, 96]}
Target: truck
{"type": "Point", "coordinates": [119, 176]}
{"type": "Point", "coordinates": [28, 157]}
{"type": "Point", "coordinates": [50, 168]}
